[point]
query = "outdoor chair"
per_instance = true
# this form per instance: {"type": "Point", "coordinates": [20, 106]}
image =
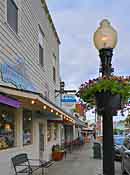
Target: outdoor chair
{"type": "Point", "coordinates": [23, 165]}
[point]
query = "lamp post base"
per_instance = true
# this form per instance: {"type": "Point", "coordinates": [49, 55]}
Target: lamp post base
{"type": "Point", "coordinates": [107, 104]}
{"type": "Point", "coordinates": [108, 146]}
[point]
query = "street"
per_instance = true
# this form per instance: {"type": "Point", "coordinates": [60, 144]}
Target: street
{"type": "Point", "coordinates": [80, 162]}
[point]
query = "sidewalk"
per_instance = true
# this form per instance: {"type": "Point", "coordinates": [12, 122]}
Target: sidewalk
{"type": "Point", "coordinates": [80, 162]}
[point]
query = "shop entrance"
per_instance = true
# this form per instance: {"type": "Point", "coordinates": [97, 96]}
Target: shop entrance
{"type": "Point", "coordinates": [41, 141]}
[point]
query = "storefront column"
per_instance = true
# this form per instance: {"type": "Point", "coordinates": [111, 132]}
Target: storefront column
{"type": "Point", "coordinates": [19, 127]}
{"type": "Point", "coordinates": [59, 134]}
{"type": "Point", "coordinates": [52, 131]}
{"type": "Point", "coordinates": [74, 132]}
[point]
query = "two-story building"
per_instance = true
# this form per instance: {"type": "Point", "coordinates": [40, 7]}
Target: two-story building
{"type": "Point", "coordinates": [30, 119]}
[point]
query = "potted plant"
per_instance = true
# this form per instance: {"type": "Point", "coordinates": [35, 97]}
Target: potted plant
{"type": "Point", "coordinates": [106, 93]}
{"type": "Point", "coordinates": [57, 152]}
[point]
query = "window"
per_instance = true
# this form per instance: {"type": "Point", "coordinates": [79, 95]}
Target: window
{"type": "Point", "coordinates": [27, 127]}
{"type": "Point", "coordinates": [12, 15]}
{"type": "Point", "coordinates": [54, 74]}
{"type": "Point", "coordinates": [7, 127]}
{"type": "Point", "coordinates": [41, 46]}
{"type": "Point", "coordinates": [40, 55]}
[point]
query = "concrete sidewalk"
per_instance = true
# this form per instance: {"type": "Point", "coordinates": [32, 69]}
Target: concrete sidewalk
{"type": "Point", "coordinates": [80, 162]}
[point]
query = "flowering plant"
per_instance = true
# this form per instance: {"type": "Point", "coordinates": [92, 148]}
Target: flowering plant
{"type": "Point", "coordinates": [113, 84]}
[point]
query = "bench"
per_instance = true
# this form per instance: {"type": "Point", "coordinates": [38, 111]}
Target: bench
{"type": "Point", "coordinates": [22, 164]}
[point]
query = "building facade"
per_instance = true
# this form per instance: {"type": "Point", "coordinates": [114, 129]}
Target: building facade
{"type": "Point", "coordinates": [30, 120]}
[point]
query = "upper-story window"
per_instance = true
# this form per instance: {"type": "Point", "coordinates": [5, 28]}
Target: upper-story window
{"type": "Point", "coordinates": [41, 47]}
{"type": "Point", "coordinates": [12, 15]}
{"type": "Point", "coordinates": [54, 74]}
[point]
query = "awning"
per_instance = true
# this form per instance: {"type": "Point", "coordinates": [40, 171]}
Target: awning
{"type": "Point", "coordinates": [37, 102]}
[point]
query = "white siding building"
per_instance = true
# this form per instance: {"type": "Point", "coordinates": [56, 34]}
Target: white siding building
{"type": "Point", "coordinates": [30, 122]}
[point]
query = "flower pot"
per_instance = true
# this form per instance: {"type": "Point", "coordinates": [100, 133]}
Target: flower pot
{"type": "Point", "coordinates": [57, 155]}
{"type": "Point", "coordinates": [105, 101]}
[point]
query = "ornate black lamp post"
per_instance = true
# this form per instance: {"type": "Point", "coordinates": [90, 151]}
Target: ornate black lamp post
{"type": "Point", "coordinates": [105, 39]}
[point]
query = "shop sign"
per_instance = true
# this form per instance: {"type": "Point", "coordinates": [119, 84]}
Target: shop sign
{"type": "Point", "coordinates": [69, 99]}
{"type": "Point", "coordinates": [9, 101]}
{"type": "Point", "coordinates": [16, 75]}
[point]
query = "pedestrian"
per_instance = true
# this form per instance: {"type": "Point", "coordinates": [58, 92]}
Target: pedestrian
{"type": "Point", "coordinates": [94, 134]}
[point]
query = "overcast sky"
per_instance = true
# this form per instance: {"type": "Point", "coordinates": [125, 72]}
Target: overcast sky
{"type": "Point", "coordinates": [75, 22]}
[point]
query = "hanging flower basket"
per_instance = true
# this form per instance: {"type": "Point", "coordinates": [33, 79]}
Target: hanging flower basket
{"type": "Point", "coordinates": [107, 94]}
{"type": "Point", "coordinates": [105, 101]}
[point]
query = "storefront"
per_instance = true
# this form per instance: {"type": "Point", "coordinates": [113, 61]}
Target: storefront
{"type": "Point", "coordinates": [28, 123]}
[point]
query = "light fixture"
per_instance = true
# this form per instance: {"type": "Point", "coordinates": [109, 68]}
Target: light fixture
{"type": "Point", "coordinates": [56, 113]}
{"type": "Point", "coordinates": [44, 107]}
{"type": "Point", "coordinates": [105, 36]}
{"type": "Point", "coordinates": [51, 110]}
{"type": "Point", "coordinates": [29, 118]}
{"type": "Point", "coordinates": [32, 102]}
{"type": "Point", "coordinates": [8, 127]}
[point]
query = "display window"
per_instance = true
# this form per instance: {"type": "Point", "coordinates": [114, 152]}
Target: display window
{"type": "Point", "coordinates": [7, 127]}
{"type": "Point", "coordinates": [27, 127]}
{"type": "Point", "coordinates": [49, 133]}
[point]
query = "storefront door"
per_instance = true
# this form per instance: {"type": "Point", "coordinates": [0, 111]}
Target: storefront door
{"type": "Point", "coordinates": [41, 141]}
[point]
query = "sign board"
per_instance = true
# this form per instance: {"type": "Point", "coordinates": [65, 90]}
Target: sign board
{"type": "Point", "coordinates": [16, 75]}
{"type": "Point", "coordinates": [68, 99]}
{"type": "Point", "coordinates": [68, 103]}
{"type": "Point", "coordinates": [9, 101]}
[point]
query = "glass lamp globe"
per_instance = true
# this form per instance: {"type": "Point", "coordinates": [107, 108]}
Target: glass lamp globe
{"type": "Point", "coordinates": [105, 36]}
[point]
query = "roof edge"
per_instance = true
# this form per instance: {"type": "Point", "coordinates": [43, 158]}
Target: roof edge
{"type": "Point", "coordinates": [44, 5]}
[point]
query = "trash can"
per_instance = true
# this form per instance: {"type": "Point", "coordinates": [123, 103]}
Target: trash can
{"type": "Point", "coordinates": [97, 150]}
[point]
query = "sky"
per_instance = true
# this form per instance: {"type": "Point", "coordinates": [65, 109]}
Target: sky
{"type": "Point", "coordinates": [75, 22]}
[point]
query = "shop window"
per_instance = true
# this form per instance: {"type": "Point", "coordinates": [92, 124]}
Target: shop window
{"type": "Point", "coordinates": [27, 127]}
{"type": "Point", "coordinates": [12, 15]}
{"type": "Point", "coordinates": [55, 131]}
{"type": "Point", "coordinates": [49, 133]}
{"type": "Point", "coordinates": [7, 127]}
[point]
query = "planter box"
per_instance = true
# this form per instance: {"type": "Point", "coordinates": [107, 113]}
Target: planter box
{"type": "Point", "coordinates": [57, 155]}
{"type": "Point", "coordinates": [105, 101]}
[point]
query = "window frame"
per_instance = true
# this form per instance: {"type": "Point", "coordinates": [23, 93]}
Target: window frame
{"type": "Point", "coordinates": [11, 110]}
{"type": "Point", "coordinates": [40, 32]}
{"type": "Point", "coordinates": [41, 59]}
{"type": "Point", "coordinates": [27, 110]}
{"type": "Point", "coordinates": [17, 17]}
{"type": "Point", "coordinates": [54, 74]}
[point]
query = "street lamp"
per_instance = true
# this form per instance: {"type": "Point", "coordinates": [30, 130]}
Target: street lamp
{"type": "Point", "coordinates": [105, 40]}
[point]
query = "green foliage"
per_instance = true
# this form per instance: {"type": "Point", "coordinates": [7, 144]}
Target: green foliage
{"type": "Point", "coordinates": [57, 148]}
{"type": "Point", "coordinates": [106, 85]}
{"type": "Point", "coordinates": [117, 131]}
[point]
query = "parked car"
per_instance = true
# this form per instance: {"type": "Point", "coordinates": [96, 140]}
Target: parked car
{"type": "Point", "coordinates": [125, 164]}
{"type": "Point", "coordinates": [118, 143]}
